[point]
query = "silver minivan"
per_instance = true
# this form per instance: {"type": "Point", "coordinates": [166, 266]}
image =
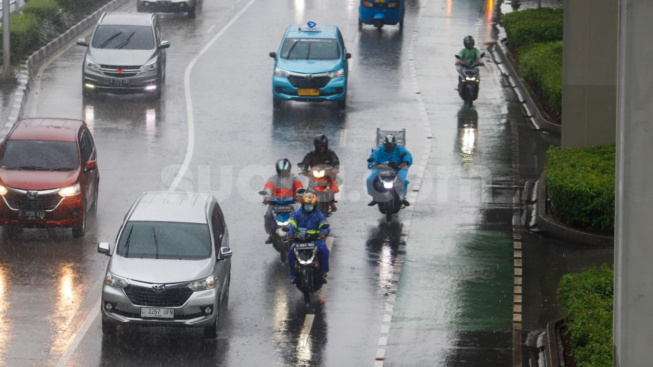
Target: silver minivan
{"type": "Point", "coordinates": [170, 264]}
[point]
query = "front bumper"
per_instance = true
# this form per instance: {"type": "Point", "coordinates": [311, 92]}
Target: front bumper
{"type": "Point", "coordinates": [64, 212]}
{"type": "Point", "coordinates": [190, 314]}
{"type": "Point", "coordinates": [141, 82]}
{"type": "Point", "coordinates": [334, 90]}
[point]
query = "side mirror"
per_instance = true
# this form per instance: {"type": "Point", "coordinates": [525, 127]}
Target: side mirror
{"type": "Point", "coordinates": [225, 252]}
{"type": "Point", "coordinates": [82, 42]}
{"type": "Point", "coordinates": [370, 160]}
{"type": "Point", "coordinates": [104, 248]}
{"type": "Point", "coordinates": [91, 165]}
{"type": "Point", "coordinates": [164, 44]}
{"type": "Point", "coordinates": [347, 56]}
{"type": "Point", "coordinates": [273, 55]}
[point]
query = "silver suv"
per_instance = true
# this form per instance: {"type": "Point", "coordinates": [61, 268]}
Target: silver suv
{"type": "Point", "coordinates": [170, 265]}
{"type": "Point", "coordinates": [170, 6]}
{"type": "Point", "coordinates": [126, 54]}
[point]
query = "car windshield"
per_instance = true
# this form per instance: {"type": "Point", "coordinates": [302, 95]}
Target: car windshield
{"type": "Point", "coordinates": [40, 155]}
{"type": "Point", "coordinates": [165, 240]}
{"type": "Point", "coordinates": [126, 37]}
{"type": "Point", "coordinates": [310, 49]}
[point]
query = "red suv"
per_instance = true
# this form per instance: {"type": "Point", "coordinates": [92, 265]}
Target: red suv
{"type": "Point", "coordinates": [48, 175]}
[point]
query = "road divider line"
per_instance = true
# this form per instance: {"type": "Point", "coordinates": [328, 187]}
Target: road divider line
{"type": "Point", "coordinates": [92, 315]}
{"type": "Point", "coordinates": [306, 331]}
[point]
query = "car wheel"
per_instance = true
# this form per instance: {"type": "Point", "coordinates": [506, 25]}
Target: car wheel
{"type": "Point", "coordinates": [87, 94]}
{"type": "Point", "coordinates": [108, 329]}
{"type": "Point", "coordinates": [211, 332]}
{"type": "Point", "coordinates": [341, 104]}
{"type": "Point", "coordinates": [276, 102]}
{"type": "Point", "coordinates": [225, 301]}
{"type": "Point", "coordinates": [139, 8]}
{"type": "Point", "coordinates": [79, 230]}
{"type": "Point", "coordinates": [191, 12]}
{"type": "Point", "coordinates": [360, 24]}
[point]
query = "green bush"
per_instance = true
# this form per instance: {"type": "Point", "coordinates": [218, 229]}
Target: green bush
{"type": "Point", "coordinates": [527, 27]}
{"type": "Point", "coordinates": [23, 35]}
{"type": "Point", "coordinates": [541, 67]}
{"type": "Point", "coordinates": [580, 184]}
{"type": "Point", "coordinates": [44, 10]}
{"type": "Point", "coordinates": [587, 301]}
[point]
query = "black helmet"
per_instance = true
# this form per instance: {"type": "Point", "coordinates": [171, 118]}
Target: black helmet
{"type": "Point", "coordinates": [469, 40]}
{"type": "Point", "coordinates": [389, 143]}
{"type": "Point", "coordinates": [283, 166]}
{"type": "Point", "coordinates": [321, 141]}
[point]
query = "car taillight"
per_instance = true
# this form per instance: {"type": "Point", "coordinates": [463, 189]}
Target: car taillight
{"type": "Point", "coordinates": [368, 4]}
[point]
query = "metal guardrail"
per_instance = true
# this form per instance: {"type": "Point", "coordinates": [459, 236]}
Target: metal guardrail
{"type": "Point", "coordinates": [13, 6]}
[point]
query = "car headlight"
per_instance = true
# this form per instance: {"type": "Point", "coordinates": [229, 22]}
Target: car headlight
{"type": "Point", "coordinates": [150, 66]}
{"type": "Point", "coordinates": [202, 284]}
{"type": "Point", "coordinates": [3, 190]}
{"type": "Point", "coordinates": [70, 191]}
{"type": "Point", "coordinates": [281, 72]}
{"type": "Point", "coordinates": [318, 173]}
{"type": "Point", "coordinates": [89, 64]}
{"type": "Point", "coordinates": [337, 73]}
{"type": "Point", "coordinates": [116, 281]}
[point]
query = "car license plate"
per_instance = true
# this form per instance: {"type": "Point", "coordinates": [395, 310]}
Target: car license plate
{"type": "Point", "coordinates": [283, 209]}
{"type": "Point", "coordinates": [308, 92]}
{"type": "Point", "coordinates": [119, 82]}
{"type": "Point", "coordinates": [379, 1]}
{"type": "Point", "coordinates": [157, 313]}
{"type": "Point", "coordinates": [31, 214]}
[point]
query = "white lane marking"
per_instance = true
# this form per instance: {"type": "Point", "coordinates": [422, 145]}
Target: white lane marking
{"type": "Point", "coordinates": [63, 361]}
{"type": "Point", "coordinates": [189, 102]}
{"type": "Point", "coordinates": [343, 138]}
{"type": "Point", "coordinates": [306, 331]}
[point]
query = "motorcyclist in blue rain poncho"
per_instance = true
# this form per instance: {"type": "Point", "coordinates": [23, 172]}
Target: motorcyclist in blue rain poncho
{"type": "Point", "coordinates": [389, 151]}
{"type": "Point", "coordinates": [309, 218]}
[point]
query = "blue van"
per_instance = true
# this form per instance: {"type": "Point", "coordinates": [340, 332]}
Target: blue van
{"type": "Point", "coordinates": [311, 65]}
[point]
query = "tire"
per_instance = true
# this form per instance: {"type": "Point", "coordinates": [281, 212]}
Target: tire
{"type": "Point", "coordinates": [307, 297]}
{"type": "Point", "coordinates": [276, 102]}
{"type": "Point", "coordinates": [388, 216]}
{"type": "Point", "coordinates": [211, 332]}
{"type": "Point", "coordinates": [108, 329]}
{"type": "Point", "coordinates": [360, 24]}
{"type": "Point", "coordinates": [225, 301]}
{"type": "Point", "coordinates": [79, 230]}
{"type": "Point", "coordinates": [139, 8]}
{"type": "Point", "coordinates": [323, 206]}
{"type": "Point", "coordinates": [93, 209]}
{"type": "Point", "coordinates": [191, 12]}
{"type": "Point", "coordinates": [342, 104]}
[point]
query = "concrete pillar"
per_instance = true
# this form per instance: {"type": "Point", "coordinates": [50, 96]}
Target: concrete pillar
{"type": "Point", "coordinates": [589, 73]}
{"type": "Point", "coordinates": [633, 298]}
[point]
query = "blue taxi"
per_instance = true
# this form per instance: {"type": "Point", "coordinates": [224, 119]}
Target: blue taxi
{"type": "Point", "coordinates": [311, 65]}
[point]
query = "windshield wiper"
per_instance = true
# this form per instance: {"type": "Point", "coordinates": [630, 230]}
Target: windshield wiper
{"type": "Point", "coordinates": [129, 236]}
{"type": "Point", "coordinates": [156, 243]}
{"type": "Point", "coordinates": [126, 40]}
{"type": "Point", "coordinates": [31, 168]}
{"type": "Point", "coordinates": [308, 54]}
{"type": "Point", "coordinates": [291, 48]}
{"type": "Point", "coordinates": [105, 43]}
{"type": "Point", "coordinates": [61, 169]}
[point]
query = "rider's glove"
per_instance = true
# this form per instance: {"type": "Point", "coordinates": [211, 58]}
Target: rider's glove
{"type": "Point", "coordinates": [403, 165]}
{"type": "Point", "coordinates": [266, 200]}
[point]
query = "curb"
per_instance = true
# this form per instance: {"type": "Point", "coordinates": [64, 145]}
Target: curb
{"type": "Point", "coordinates": [558, 230]}
{"type": "Point", "coordinates": [530, 109]}
{"type": "Point", "coordinates": [36, 59]}
{"type": "Point", "coordinates": [553, 352]}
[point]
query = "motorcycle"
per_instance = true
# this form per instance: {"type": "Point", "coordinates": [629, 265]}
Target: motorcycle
{"type": "Point", "coordinates": [282, 210]}
{"type": "Point", "coordinates": [309, 277]}
{"type": "Point", "coordinates": [385, 189]}
{"type": "Point", "coordinates": [468, 81]}
{"type": "Point", "coordinates": [320, 181]}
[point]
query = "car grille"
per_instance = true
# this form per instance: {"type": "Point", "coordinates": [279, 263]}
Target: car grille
{"type": "Point", "coordinates": [170, 297]}
{"type": "Point", "coordinates": [316, 82]}
{"type": "Point", "coordinates": [21, 201]}
{"type": "Point", "coordinates": [127, 70]}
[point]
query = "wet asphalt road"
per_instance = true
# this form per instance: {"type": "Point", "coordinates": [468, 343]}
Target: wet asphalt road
{"type": "Point", "coordinates": [454, 299]}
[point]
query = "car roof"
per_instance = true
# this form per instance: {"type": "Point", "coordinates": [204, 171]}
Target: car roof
{"type": "Point", "coordinates": [162, 206]}
{"type": "Point", "coordinates": [46, 129]}
{"type": "Point", "coordinates": [125, 18]}
{"type": "Point", "coordinates": [325, 31]}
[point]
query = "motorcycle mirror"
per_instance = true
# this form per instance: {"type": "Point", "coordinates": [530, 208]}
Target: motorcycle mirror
{"type": "Point", "coordinates": [457, 56]}
{"type": "Point", "coordinates": [482, 53]}
{"type": "Point", "coordinates": [263, 192]}
{"type": "Point", "coordinates": [301, 165]}
{"type": "Point", "coordinates": [301, 191]}
{"type": "Point", "coordinates": [370, 160]}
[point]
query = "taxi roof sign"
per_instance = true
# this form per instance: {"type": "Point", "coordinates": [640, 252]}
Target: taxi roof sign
{"type": "Point", "coordinates": [310, 27]}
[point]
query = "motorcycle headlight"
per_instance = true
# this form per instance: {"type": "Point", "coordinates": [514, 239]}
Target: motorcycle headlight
{"type": "Point", "coordinates": [281, 72]}
{"type": "Point", "coordinates": [279, 223]}
{"type": "Point", "coordinates": [337, 73]}
{"type": "Point", "coordinates": [150, 66]}
{"type": "Point", "coordinates": [202, 284]}
{"type": "Point", "coordinates": [3, 190]}
{"type": "Point", "coordinates": [70, 191]}
{"type": "Point", "coordinates": [318, 173]}
{"type": "Point", "coordinates": [471, 79]}
{"type": "Point", "coordinates": [116, 281]}
{"type": "Point", "coordinates": [388, 184]}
